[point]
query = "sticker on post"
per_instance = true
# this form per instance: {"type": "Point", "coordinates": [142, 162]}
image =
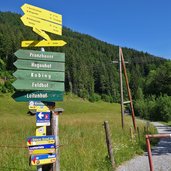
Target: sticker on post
{"type": "Point", "coordinates": [41, 131]}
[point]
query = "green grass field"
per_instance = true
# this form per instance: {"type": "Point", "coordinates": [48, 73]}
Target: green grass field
{"type": "Point", "coordinates": [81, 135]}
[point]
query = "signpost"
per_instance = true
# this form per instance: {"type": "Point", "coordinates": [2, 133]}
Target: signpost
{"type": "Point", "coordinates": [43, 118]}
{"type": "Point", "coordinates": [39, 65]}
{"type": "Point", "coordinates": [42, 43]}
{"type": "Point", "coordinates": [40, 55]}
{"type": "Point", "coordinates": [41, 24]}
{"type": "Point", "coordinates": [40, 140]}
{"type": "Point", "coordinates": [42, 20]}
{"type": "Point", "coordinates": [42, 149]}
{"type": "Point", "coordinates": [43, 159]}
{"type": "Point", "coordinates": [38, 85]}
{"type": "Point", "coordinates": [42, 13]}
{"type": "Point", "coordinates": [39, 75]}
{"type": "Point", "coordinates": [40, 80]}
{"type": "Point", "coordinates": [25, 96]}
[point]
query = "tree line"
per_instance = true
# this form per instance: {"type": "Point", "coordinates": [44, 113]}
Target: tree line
{"type": "Point", "coordinates": [89, 72]}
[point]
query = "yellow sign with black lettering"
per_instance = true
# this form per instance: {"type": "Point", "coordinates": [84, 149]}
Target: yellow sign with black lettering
{"type": "Point", "coordinates": [42, 20]}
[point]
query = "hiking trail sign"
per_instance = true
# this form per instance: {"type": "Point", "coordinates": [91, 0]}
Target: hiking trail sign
{"type": "Point", "coordinates": [42, 20]}
{"type": "Point", "coordinates": [40, 75]}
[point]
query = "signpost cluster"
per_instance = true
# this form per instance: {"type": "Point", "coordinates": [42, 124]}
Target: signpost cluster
{"type": "Point", "coordinates": [40, 80]}
{"type": "Point", "coordinates": [42, 20]}
{"type": "Point", "coordinates": [37, 71]}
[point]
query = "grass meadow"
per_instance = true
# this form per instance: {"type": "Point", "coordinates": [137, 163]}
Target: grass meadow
{"type": "Point", "coordinates": [82, 137]}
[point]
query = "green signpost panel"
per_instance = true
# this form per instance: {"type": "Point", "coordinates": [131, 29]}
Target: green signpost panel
{"type": "Point", "coordinates": [38, 85]}
{"type": "Point", "coordinates": [25, 96]}
{"type": "Point", "coordinates": [39, 75]}
{"type": "Point", "coordinates": [40, 55]}
{"type": "Point", "coordinates": [39, 65]}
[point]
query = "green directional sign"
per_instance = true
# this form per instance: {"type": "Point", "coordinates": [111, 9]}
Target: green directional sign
{"type": "Point", "coordinates": [38, 85]}
{"type": "Point", "coordinates": [39, 65]}
{"type": "Point", "coordinates": [25, 96]}
{"type": "Point", "coordinates": [39, 75]}
{"type": "Point", "coordinates": [39, 55]}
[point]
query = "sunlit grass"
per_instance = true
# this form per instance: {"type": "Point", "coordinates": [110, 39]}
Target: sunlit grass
{"type": "Point", "coordinates": [82, 137]}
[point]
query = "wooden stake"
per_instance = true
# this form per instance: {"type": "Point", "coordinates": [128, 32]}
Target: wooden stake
{"type": "Point", "coordinates": [121, 91]}
{"type": "Point", "coordinates": [109, 144]}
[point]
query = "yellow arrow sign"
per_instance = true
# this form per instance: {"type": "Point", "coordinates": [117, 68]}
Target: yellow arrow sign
{"type": "Point", "coordinates": [41, 24]}
{"type": "Point", "coordinates": [42, 13]}
{"type": "Point", "coordinates": [41, 33]}
{"type": "Point", "coordinates": [42, 43]}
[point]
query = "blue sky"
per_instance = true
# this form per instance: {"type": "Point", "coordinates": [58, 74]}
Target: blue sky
{"type": "Point", "coordinates": [143, 25]}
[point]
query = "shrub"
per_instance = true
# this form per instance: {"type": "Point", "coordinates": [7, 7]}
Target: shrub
{"type": "Point", "coordinates": [94, 97]}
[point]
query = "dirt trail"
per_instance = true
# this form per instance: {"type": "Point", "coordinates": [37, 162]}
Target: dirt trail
{"type": "Point", "coordinates": [161, 155]}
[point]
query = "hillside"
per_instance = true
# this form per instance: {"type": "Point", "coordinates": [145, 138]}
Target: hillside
{"type": "Point", "coordinates": [89, 67]}
{"type": "Point", "coordinates": [90, 73]}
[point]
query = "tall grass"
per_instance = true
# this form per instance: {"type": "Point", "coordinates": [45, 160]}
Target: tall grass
{"type": "Point", "coordinates": [81, 135]}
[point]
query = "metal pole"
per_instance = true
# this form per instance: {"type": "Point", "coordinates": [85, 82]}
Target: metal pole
{"type": "Point", "coordinates": [149, 153]}
{"type": "Point", "coordinates": [121, 90]}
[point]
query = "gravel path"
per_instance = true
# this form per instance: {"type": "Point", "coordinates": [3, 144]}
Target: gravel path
{"type": "Point", "coordinates": [161, 155]}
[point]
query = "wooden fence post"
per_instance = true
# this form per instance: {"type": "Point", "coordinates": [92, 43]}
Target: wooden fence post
{"type": "Point", "coordinates": [109, 144]}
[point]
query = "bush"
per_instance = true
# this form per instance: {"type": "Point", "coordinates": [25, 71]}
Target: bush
{"type": "Point", "coordinates": [94, 97]}
{"type": "Point", "coordinates": [156, 109]}
{"type": "Point", "coordinates": [107, 98]}
{"type": "Point", "coordinates": [163, 108]}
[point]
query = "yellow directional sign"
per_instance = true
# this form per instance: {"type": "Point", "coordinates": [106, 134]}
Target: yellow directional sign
{"type": "Point", "coordinates": [42, 43]}
{"type": "Point", "coordinates": [42, 13]}
{"type": "Point", "coordinates": [41, 33]}
{"type": "Point", "coordinates": [42, 151]}
{"type": "Point", "coordinates": [41, 24]}
{"type": "Point", "coordinates": [42, 159]}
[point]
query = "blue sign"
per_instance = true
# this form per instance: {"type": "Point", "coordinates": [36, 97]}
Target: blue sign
{"type": "Point", "coordinates": [40, 140]}
{"type": "Point", "coordinates": [42, 147]}
{"type": "Point", "coordinates": [43, 159]}
{"type": "Point", "coordinates": [42, 118]}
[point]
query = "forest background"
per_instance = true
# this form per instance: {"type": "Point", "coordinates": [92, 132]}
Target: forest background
{"type": "Point", "coordinates": [90, 73]}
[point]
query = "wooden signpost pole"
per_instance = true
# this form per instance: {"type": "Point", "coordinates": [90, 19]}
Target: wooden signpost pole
{"type": "Point", "coordinates": [39, 168]}
{"type": "Point", "coordinates": [55, 131]}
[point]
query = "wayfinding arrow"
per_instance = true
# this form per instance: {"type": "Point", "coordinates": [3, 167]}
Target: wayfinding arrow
{"type": "Point", "coordinates": [38, 85]}
{"type": "Point", "coordinates": [41, 24]}
{"type": "Point", "coordinates": [42, 13]}
{"type": "Point", "coordinates": [40, 115]}
{"type": "Point", "coordinates": [41, 33]}
{"type": "Point", "coordinates": [42, 43]}
{"type": "Point", "coordinates": [42, 20]}
{"type": "Point", "coordinates": [39, 55]}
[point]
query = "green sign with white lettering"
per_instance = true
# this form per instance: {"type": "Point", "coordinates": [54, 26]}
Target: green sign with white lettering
{"type": "Point", "coordinates": [25, 96]}
{"type": "Point", "coordinates": [39, 55]}
{"type": "Point", "coordinates": [39, 65]}
{"type": "Point", "coordinates": [38, 85]}
{"type": "Point", "coordinates": [39, 75]}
